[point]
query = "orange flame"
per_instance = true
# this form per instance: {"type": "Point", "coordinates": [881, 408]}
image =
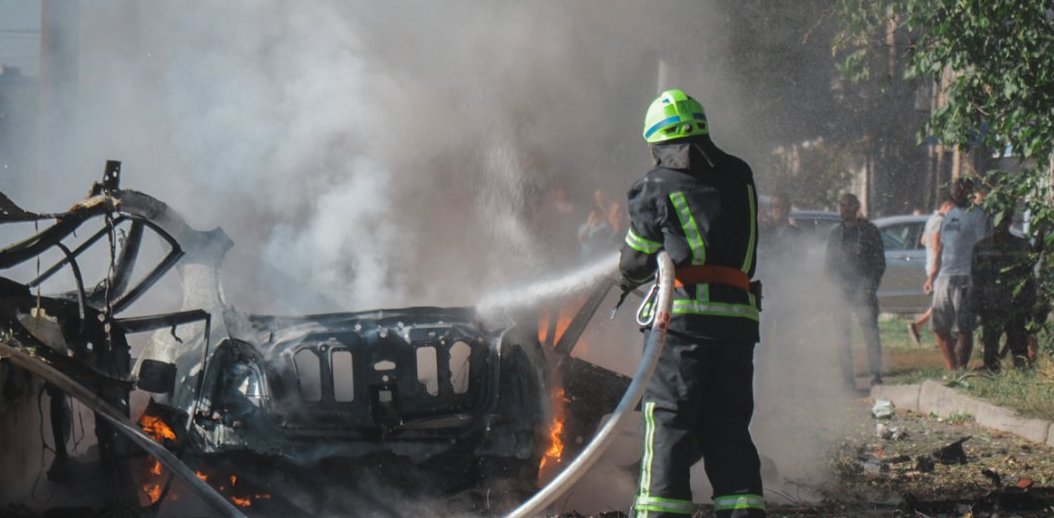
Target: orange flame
{"type": "Point", "coordinates": [238, 500]}
{"type": "Point", "coordinates": [153, 492]}
{"type": "Point", "coordinates": [556, 430]}
{"type": "Point", "coordinates": [562, 322]}
{"type": "Point", "coordinates": [156, 428]}
{"type": "Point", "coordinates": [564, 315]}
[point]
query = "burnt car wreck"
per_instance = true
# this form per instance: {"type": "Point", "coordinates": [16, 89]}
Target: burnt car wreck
{"type": "Point", "coordinates": [263, 411]}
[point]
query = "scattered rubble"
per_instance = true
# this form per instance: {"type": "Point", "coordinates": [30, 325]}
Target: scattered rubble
{"type": "Point", "coordinates": [937, 467]}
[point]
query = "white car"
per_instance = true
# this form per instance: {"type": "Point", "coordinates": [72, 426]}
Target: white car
{"type": "Point", "coordinates": [901, 288]}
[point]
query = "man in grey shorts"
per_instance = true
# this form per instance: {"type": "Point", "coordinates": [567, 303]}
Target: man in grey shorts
{"type": "Point", "coordinates": [953, 320]}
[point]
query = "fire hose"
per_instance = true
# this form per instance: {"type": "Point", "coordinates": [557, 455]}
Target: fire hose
{"type": "Point", "coordinates": [604, 436]}
{"type": "Point", "coordinates": [123, 424]}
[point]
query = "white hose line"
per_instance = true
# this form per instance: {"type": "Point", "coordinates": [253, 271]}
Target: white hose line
{"type": "Point", "coordinates": [602, 440]}
{"type": "Point", "coordinates": [120, 422]}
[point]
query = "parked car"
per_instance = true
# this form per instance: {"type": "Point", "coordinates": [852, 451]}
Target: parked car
{"type": "Point", "coordinates": [901, 288]}
{"type": "Point", "coordinates": [815, 223]}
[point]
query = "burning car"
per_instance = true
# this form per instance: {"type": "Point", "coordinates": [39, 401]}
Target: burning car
{"type": "Point", "coordinates": [461, 398]}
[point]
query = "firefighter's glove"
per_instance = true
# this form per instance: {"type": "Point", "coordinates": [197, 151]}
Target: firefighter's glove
{"type": "Point", "coordinates": [625, 286]}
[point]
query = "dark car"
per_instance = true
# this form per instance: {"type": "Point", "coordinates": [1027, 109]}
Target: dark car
{"type": "Point", "coordinates": [449, 393]}
{"type": "Point", "coordinates": [901, 288]}
{"type": "Point", "coordinates": [815, 223]}
{"type": "Point", "coordinates": [815, 226]}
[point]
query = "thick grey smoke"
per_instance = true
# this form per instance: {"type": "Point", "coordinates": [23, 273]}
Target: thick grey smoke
{"type": "Point", "coordinates": [379, 154]}
{"type": "Point", "coordinates": [384, 153]}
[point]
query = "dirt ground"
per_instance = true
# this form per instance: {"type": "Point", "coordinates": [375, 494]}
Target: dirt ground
{"type": "Point", "coordinates": [918, 465]}
{"type": "Point", "coordinates": [915, 470]}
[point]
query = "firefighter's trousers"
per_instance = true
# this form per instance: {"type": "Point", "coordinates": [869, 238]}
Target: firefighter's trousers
{"type": "Point", "coordinates": [698, 406]}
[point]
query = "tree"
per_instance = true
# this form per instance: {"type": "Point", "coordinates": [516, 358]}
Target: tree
{"type": "Point", "coordinates": [995, 61]}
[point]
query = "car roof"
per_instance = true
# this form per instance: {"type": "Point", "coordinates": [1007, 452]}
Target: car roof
{"type": "Point", "coordinates": [815, 214]}
{"type": "Point", "coordinates": [903, 218]}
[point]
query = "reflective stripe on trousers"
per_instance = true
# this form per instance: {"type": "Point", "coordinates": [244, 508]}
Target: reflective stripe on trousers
{"type": "Point", "coordinates": [698, 406]}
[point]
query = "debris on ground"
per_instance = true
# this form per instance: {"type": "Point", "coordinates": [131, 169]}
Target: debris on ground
{"type": "Point", "coordinates": [883, 408]}
{"type": "Point", "coordinates": [937, 468]}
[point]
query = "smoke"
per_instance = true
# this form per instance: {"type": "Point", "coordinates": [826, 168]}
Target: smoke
{"type": "Point", "coordinates": [374, 154]}
{"type": "Point", "coordinates": [384, 154]}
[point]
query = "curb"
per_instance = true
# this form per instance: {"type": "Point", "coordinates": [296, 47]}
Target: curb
{"type": "Point", "coordinates": [933, 397]}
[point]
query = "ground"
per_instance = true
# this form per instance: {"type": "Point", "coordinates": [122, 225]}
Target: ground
{"type": "Point", "coordinates": [903, 474]}
{"type": "Point", "coordinates": [908, 474]}
{"type": "Point", "coordinates": [900, 476]}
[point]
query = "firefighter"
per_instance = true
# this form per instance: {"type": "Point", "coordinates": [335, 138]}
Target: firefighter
{"type": "Point", "coordinates": [699, 204]}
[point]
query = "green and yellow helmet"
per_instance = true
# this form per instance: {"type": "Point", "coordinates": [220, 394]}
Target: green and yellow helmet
{"type": "Point", "coordinates": [674, 114]}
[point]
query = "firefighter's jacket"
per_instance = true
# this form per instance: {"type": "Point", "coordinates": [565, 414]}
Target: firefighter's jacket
{"type": "Point", "coordinates": [700, 205]}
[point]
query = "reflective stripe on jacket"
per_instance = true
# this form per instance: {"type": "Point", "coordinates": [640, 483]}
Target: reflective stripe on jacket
{"type": "Point", "coordinates": [700, 205]}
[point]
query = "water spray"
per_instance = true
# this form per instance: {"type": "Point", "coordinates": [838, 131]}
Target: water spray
{"type": "Point", "coordinates": [603, 439]}
{"type": "Point", "coordinates": [563, 286]}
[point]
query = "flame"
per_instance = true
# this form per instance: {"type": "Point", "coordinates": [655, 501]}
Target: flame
{"type": "Point", "coordinates": [156, 428]}
{"type": "Point", "coordinates": [242, 500]}
{"type": "Point", "coordinates": [562, 322]}
{"type": "Point", "coordinates": [556, 430]}
{"type": "Point", "coordinates": [153, 492]}
{"type": "Point", "coordinates": [150, 488]}
{"type": "Point", "coordinates": [564, 315]}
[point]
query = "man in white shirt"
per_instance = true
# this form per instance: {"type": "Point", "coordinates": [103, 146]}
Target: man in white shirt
{"type": "Point", "coordinates": [933, 225]}
{"type": "Point", "coordinates": [953, 320]}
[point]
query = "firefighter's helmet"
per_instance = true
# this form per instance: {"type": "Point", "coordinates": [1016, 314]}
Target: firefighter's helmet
{"type": "Point", "coordinates": [674, 114]}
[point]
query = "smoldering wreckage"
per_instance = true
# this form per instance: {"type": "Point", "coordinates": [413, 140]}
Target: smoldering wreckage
{"type": "Point", "coordinates": [247, 409]}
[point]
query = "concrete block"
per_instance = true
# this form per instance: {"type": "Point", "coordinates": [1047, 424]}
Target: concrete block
{"type": "Point", "coordinates": [998, 418]}
{"type": "Point", "coordinates": [902, 396]}
{"type": "Point", "coordinates": [944, 401]}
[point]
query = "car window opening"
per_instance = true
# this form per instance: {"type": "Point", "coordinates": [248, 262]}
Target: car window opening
{"type": "Point", "coordinates": [428, 369]}
{"type": "Point", "coordinates": [459, 368]}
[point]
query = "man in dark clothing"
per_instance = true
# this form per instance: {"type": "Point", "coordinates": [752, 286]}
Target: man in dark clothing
{"type": "Point", "coordinates": [856, 261]}
{"type": "Point", "coordinates": [700, 205]}
{"type": "Point", "coordinates": [1003, 294]}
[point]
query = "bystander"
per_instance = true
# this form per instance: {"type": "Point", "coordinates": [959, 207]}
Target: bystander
{"type": "Point", "coordinates": [856, 261]}
{"type": "Point", "coordinates": [1003, 293]}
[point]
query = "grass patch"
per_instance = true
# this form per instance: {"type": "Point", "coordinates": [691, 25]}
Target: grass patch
{"type": "Point", "coordinates": [1029, 393]}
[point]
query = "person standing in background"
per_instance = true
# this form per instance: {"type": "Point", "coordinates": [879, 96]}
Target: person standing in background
{"type": "Point", "coordinates": [933, 224]}
{"type": "Point", "coordinates": [1003, 293]}
{"type": "Point", "coordinates": [856, 261]}
{"type": "Point", "coordinates": [953, 320]}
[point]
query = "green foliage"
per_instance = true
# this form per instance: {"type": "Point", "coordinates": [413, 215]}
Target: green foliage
{"type": "Point", "coordinates": [960, 418]}
{"type": "Point", "coordinates": [997, 58]}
